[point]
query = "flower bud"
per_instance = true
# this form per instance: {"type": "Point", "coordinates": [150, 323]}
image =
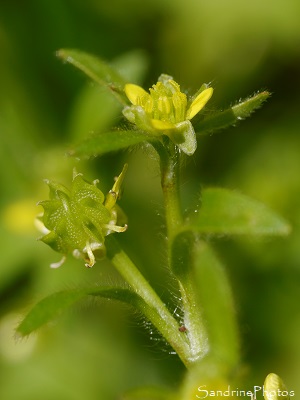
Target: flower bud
{"type": "Point", "coordinates": [274, 388]}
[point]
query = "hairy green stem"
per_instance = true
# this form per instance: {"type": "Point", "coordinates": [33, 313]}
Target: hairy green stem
{"type": "Point", "coordinates": [169, 165]}
{"type": "Point", "coordinates": [184, 263]}
{"type": "Point", "coordinates": [193, 320]}
{"type": "Point", "coordinates": [155, 310]}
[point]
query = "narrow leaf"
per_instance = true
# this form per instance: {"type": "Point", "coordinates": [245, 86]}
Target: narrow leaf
{"type": "Point", "coordinates": [96, 69]}
{"type": "Point", "coordinates": [52, 306]}
{"type": "Point", "coordinates": [227, 212]}
{"type": "Point", "coordinates": [223, 119]}
{"type": "Point", "coordinates": [109, 141]}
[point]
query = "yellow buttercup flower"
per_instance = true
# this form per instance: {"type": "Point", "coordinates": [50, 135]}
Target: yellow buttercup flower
{"type": "Point", "coordinates": [165, 110]}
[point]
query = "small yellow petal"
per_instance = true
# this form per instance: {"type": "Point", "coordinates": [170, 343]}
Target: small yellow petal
{"type": "Point", "coordinates": [161, 125]}
{"type": "Point", "coordinates": [199, 103]}
{"type": "Point", "coordinates": [134, 92]}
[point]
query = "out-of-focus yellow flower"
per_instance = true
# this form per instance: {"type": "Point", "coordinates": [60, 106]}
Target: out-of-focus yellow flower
{"type": "Point", "coordinates": [165, 110]}
{"type": "Point", "coordinates": [19, 216]}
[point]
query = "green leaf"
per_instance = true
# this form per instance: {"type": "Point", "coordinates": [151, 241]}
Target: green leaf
{"type": "Point", "coordinates": [52, 306]}
{"type": "Point", "coordinates": [109, 141]}
{"type": "Point", "coordinates": [95, 109]}
{"type": "Point", "coordinates": [96, 69]}
{"type": "Point", "coordinates": [133, 64]}
{"type": "Point", "coordinates": [223, 119]}
{"type": "Point", "coordinates": [225, 212]}
{"type": "Point", "coordinates": [207, 302]}
{"type": "Point", "coordinates": [215, 297]}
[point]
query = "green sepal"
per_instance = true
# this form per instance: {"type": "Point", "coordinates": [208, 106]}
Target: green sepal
{"type": "Point", "coordinates": [137, 115]}
{"type": "Point", "coordinates": [96, 69]}
{"type": "Point", "coordinates": [225, 212]}
{"type": "Point", "coordinates": [184, 137]}
{"type": "Point", "coordinates": [231, 116]}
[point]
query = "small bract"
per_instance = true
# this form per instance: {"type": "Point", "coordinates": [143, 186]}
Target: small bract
{"type": "Point", "coordinates": [77, 220]}
{"type": "Point", "coordinates": [165, 110]}
{"type": "Point", "coordinates": [274, 388]}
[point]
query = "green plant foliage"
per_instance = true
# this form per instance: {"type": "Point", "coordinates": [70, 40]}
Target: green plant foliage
{"type": "Point", "coordinates": [209, 297]}
{"type": "Point", "coordinates": [164, 266]}
{"type": "Point", "coordinates": [96, 69]}
{"type": "Point", "coordinates": [215, 297]}
{"type": "Point", "coordinates": [231, 116]}
{"type": "Point", "coordinates": [225, 212]}
{"type": "Point", "coordinates": [110, 141]}
{"type": "Point", "coordinates": [52, 306]}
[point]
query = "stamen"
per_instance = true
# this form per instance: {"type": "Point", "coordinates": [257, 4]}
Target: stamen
{"type": "Point", "coordinates": [90, 255]}
{"type": "Point", "coordinates": [164, 106]}
{"type": "Point", "coordinates": [116, 228]}
{"type": "Point", "coordinates": [59, 263]}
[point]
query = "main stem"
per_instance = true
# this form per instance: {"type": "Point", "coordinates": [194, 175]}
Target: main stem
{"type": "Point", "coordinates": [170, 165]}
{"type": "Point", "coordinates": [170, 172]}
{"type": "Point", "coordinates": [155, 310]}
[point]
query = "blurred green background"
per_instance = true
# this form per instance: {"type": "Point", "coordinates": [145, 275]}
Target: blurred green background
{"type": "Point", "coordinates": [99, 350]}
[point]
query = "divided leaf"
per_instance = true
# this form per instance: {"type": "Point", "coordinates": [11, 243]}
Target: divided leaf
{"type": "Point", "coordinates": [96, 69]}
{"type": "Point", "coordinates": [225, 212]}
{"type": "Point", "coordinates": [223, 119]}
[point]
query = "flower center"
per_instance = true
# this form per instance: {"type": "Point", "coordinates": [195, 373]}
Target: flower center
{"type": "Point", "coordinates": [165, 102]}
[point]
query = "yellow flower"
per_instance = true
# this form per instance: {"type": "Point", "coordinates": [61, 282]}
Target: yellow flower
{"type": "Point", "coordinates": [165, 110]}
